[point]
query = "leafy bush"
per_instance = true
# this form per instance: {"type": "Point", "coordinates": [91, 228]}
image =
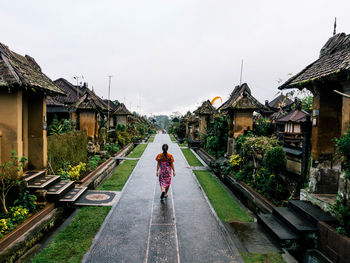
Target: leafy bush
{"type": "Point", "coordinates": [26, 200]}
{"type": "Point", "coordinates": [10, 175]}
{"type": "Point", "coordinates": [72, 172]}
{"type": "Point", "coordinates": [111, 148]}
{"type": "Point", "coordinates": [70, 146]}
{"type": "Point", "coordinates": [59, 127]}
{"type": "Point", "coordinates": [18, 214]}
{"type": "Point", "coordinates": [4, 225]}
{"type": "Point", "coordinates": [216, 137]}
{"type": "Point", "coordinates": [240, 141]}
{"type": "Point", "coordinates": [262, 128]}
{"type": "Point", "coordinates": [275, 160]}
{"type": "Point", "coordinates": [93, 163]}
{"type": "Point", "coordinates": [120, 127]}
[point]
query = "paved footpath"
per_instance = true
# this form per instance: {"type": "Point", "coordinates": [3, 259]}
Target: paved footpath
{"type": "Point", "coordinates": [141, 228]}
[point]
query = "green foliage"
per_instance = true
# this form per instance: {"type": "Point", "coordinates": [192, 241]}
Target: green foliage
{"type": "Point", "coordinates": [341, 208]}
{"type": "Point", "coordinates": [111, 148]}
{"type": "Point", "coordinates": [262, 128]}
{"type": "Point", "coordinates": [275, 160]}
{"type": "Point", "coordinates": [120, 127]}
{"type": "Point", "coordinates": [123, 138]}
{"type": "Point", "coordinates": [138, 151]}
{"type": "Point", "coordinates": [60, 127]}
{"type": "Point", "coordinates": [262, 258]}
{"type": "Point", "coordinates": [70, 147]}
{"type": "Point", "coordinates": [256, 146]}
{"type": "Point", "coordinates": [10, 175]}
{"type": "Point", "coordinates": [26, 200]}
{"type": "Point", "coordinates": [93, 163]}
{"type": "Point", "coordinates": [216, 138]}
{"type": "Point", "coordinates": [240, 141]}
{"type": "Point", "coordinates": [18, 214]}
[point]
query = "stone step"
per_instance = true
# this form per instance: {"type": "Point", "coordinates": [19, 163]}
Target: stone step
{"type": "Point", "coordinates": [276, 228]}
{"type": "Point", "coordinates": [294, 220]}
{"type": "Point", "coordinates": [56, 191]}
{"type": "Point", "coordinates": [43, 182]}
{"type": "Point", "coordinates": [30, 176]}
{"type": "Point", "coordinates": [73, 194]}
{"type": "Point", "coordinates": [311, 212]}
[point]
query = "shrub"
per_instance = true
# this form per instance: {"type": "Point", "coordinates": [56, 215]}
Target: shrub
{"type": "Point", "coordinates": [93, 163]}
{"type": "Point", "coordinates": [59, 127]}
{"type": "Point", "coordinates": [3, 225]}
{"type": "Point", "coordinates": [10, 174]}
{"type": "Point", "coordinates": [70, 146]}
{"type": "Point", "coordinates": [262, 128]}
{"type": "Point", "coordinates": [18, 214]}
{"type": "Point", "coordinates": [76, 171]}
{"type": "Point", "coordinates": [26, 200]}
{"type": "Point", "coordinates": [216, 137]}
{"type": "Point", "coordinates": [275, 160]}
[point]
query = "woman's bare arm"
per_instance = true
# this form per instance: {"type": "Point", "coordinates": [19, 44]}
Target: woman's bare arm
{"type": "Point", "coordinates": [157, 168]}
{"type": "Point", "coordinates": [172, 167]}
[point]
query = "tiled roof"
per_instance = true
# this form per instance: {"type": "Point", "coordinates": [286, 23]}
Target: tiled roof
{"type": "Point", "coordinates": [294, 116]}
{"type": "Point", "coordinates": [205, 108]}
{"type": "Point", "coordinates": [334, 59]}
{"type": "Point", "coordinates": [121, 110]}
{"type": "Point", "coordinates": [241, 98]}
{"type": "Point", "coordinates": [19, 71]}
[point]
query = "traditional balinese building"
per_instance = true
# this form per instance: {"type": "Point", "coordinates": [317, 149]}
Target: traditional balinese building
{"type": "Point", "coordinates": [329, 74]}
{"type": "Point", "coordinates": [112, 108]}
{"type": "Point", "coordinates": [294, 132]}
{"type": "Point", "coordinates": [240, 108]}
{"type": "Point", "coordinates": [60, 106]}
{"type": "Point", "coordinates": [23, 120]}
{"type": "Point", "coordinates": [90, 110]}
{"type": "Point", "coordinates": [122, 114]}
{"type": "Point", "coordinates": [205, 112]}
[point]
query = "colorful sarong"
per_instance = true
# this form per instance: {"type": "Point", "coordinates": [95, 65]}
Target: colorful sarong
{"type": "Point", "coordinates": [164, 169]}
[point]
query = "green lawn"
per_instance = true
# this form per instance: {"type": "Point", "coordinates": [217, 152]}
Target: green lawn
{"type": "Point", "coordinates": [225, 206]}
{"type": "Point", "coordinates": [72, 242]}
{"type": "Point", "coordinates": [262, 258]}
{"type": "Point", "coordinates": [191, 158]}
{"type": "Point", "coordinates": [151, 139]}
{"type": "Point", "coordinates": [138, 151]}
{"type": "Point", "coordinates": [172, 138]}
{"type": "Point", "coordinates": [119, 177]}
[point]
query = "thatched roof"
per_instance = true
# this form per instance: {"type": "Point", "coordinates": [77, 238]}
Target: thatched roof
{"type": "Point", "coordinates": [241, 99]}
{"type": "Point", "coordinates": [334, 60]}
{"type": "Point", "coordinates": [122, 110]}
{"type": "Point", "coordinates": [73, 93]}
{"type": "Point", "coordinates": [280, 101]}
{"type": "Point", "coordinates": [205, 109]}
{"type": "Point", "coordinates": [90, 101]}
{"type": "Point", "coordinates": [112, 105]}
{"type": "Point", "coordinates": [24, 72]}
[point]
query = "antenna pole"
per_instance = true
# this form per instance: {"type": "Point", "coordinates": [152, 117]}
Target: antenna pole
{"type": "Point", "coordinates": [335, 26]}
{"type": "Point", "coordinates": [240, 80]}
{"type": "Point", "coordinates": [109, 98]}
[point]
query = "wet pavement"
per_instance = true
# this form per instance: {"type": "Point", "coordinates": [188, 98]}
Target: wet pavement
{"type": "Point", "coordinates": [141, 228]}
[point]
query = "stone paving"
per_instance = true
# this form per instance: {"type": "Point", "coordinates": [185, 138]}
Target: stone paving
{"type": "Point", "coordinates": [141, 228]}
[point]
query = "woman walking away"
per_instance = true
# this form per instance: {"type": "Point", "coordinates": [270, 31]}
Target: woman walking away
{"type": "Point", "coordinates": [164, 166]}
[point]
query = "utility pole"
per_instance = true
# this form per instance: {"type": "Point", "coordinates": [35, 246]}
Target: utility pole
{"type": "Point", "coordinates": [109, 98]}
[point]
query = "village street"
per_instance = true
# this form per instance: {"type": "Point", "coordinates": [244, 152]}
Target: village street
{"type": "Point", "coordinates": [141, 228]}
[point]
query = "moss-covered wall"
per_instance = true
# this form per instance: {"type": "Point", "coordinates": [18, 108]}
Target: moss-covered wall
{"type": "Point", "coordinates": [70, 147]}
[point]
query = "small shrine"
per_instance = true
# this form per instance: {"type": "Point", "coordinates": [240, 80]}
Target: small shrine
{"type": "Point", "coordinates": [90, 110]}
{"type": "Point", "coordinates": [205, 113]}
{"type": "Point", "coordinates": [122, 114]}
{"type": "Point", "coordinates": [240, 108]}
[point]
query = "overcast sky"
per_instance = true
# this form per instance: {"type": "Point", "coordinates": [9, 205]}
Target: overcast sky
{"type": "Point", "coordinates": [170, 55]}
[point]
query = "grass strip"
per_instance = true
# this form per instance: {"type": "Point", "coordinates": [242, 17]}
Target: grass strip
{"type": "Point", "coordinates": [225, 206]}
{"type": "Point", "coordinates": [172, 138]}
{"type": "Point", "coordinates": [151, 139]}
{"type": "Point", "coordinates": [73, 241]}
{"type": "Point", "coordinates": [191, 158]}
{"type": "Point", "coordinates": [262, 258]}
{"type": "Point", "coordinates": [119, 177]}
{"type": "Point", "coordinates": [138, 151]}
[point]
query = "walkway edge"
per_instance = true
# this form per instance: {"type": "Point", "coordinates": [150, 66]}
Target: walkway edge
{"type": "Point", "coordinates": [87, 254]}
{"type": "Point", "coordinates": [226, 235]}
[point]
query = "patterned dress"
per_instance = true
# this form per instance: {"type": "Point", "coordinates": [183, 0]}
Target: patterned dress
{"type": "Point", "coordinates": [164, 169]}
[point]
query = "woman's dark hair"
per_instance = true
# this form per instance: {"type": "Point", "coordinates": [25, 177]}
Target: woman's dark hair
{"type": "Point", "coordinates": [165, 148]}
